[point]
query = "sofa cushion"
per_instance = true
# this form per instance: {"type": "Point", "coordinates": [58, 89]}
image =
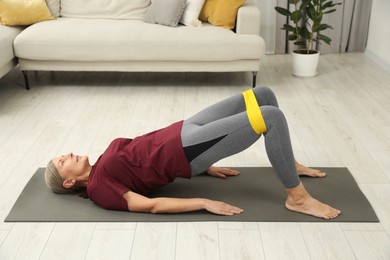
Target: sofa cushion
{"type": "Point", "coordinates": [165, 12]}
{"type": "Point", "coordinates": [7, 37]}
{"type": "Point", "coordinates": [70, 39]}
{"type": "Point", "coordinates": [191, 12]}
{"type": "Point", "coordinates": [54, 7]}
{"type": "Point", "coordinates": [23, 12]}
{"type": "Point", "coordinates": [104, 9]}
{"type": "Point", "coordinates": [221, 12]}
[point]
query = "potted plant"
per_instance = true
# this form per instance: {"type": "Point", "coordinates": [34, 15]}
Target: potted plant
{"type": "Point", "coordinates": [304, 28]}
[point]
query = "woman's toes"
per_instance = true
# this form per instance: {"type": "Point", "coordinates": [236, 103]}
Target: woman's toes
{"type": "Point", "coordinates": [321, 174]}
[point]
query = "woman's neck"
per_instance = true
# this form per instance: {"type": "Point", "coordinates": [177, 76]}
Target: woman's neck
{"type": "Point", "coordinates": [83, 180]}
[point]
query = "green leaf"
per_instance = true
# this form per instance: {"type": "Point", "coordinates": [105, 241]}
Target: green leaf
{"type": "Point", "coordinates": [317, 18]}
{"type": "Point", "coordinates": [305, 33]}
{"type": "Point", "coordinates": [282, 11]}
{"type": "Point", "coordinates": [296, 16]}
{"type": "Point", "coordinates": [293, 2]}
{"type": "Point", "coordinates": [300, 43]}
{"type": "Point", "coordinates": [325, 26]}
{"type": "Point", "coordinates": [288, 28]}
{"type": "Point", "coordinates": [321, 27]}
{"type": "Point", "coordinates": [330, 11]}
{"type": "Point", "coordinates": [311, 12]}
{"type": "Point", "coordinates": [327, 5]}
{"type": "Point", "coordinates": [292, 37]}
{"type": "Point", "coordinates": [324, 38]}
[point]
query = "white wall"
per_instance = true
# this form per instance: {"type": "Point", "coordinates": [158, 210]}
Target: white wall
{"type": "Point", "coordinates": [378, 45]}
{"type": "Point", "coordinates": [267, 29]}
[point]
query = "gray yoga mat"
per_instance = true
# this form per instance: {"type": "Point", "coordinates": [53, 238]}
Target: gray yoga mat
{"type": "Point", "coordinates": [256, 190]}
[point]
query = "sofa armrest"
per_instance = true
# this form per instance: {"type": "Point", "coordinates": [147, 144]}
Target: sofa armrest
{"type": "Point", "coordinates": [7, 37]}
{"type": "Point", "coordinates": [7, 56]}
{"type": "Point", "coordinates": [248, 19]}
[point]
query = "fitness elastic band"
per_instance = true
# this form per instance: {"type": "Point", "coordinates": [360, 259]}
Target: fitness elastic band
{"type": "Point", "coordinates": [253, 111]}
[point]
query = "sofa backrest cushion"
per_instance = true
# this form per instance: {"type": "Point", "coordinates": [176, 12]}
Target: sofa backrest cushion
{"type": "Point", "coordinates": [165, 12]}
{"type": "Point", "coordinates": [54, 7]}
{"type": "Point", "coordinates": [105, 9]}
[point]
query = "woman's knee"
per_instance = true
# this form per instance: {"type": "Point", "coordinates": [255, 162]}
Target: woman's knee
{"type": "Point", "coordinates": [267, 94]}
{"type": "Point", "coordinates": [273, 116]}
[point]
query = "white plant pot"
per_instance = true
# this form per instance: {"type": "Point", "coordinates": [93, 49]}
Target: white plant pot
{"type": "Point", "coordinates": [305, 65]}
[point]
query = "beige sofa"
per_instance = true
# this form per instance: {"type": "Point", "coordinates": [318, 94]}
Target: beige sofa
{"type": "Point", "coordinates": [7, 57]}
{"type": "Point", "coordinates": [89, 37]}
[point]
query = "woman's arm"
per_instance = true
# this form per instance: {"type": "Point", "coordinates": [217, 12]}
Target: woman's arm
{"type": "Point", "coordinates": [139, 203]}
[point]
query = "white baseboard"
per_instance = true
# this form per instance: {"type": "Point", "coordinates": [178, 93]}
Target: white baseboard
{"type": "Point", "coordinates": [381, 62]}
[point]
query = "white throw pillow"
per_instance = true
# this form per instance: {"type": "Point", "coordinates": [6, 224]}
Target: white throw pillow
{"type": "Point", "coordinates": [54, 7]}
{"type": "Point", "coordinates": [191, 12]}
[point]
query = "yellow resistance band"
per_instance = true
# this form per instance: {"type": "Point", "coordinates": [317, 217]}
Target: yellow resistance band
{"type": "Point", "coordinates": [254, 114]}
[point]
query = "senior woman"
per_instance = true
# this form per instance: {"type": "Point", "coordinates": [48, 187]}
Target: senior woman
{"type": "Point", "coordinates": [130, 169]}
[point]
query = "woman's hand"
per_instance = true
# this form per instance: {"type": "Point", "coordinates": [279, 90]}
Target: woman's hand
{"type": "Point", "coordinates": [221, 172]}
{"type": "Point", "coordinates": [221, 208]}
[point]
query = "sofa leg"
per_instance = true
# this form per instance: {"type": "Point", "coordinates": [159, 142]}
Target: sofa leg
{"type": "Point", "coordinates": [25, 75]}
{"type": "Point", "coordinates": [254, 73]}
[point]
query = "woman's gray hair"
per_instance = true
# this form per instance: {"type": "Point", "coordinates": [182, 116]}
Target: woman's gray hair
{"type": "Point", "coordinates": [56, 183]}
{"type": "Point", "coordinates": [54, 180]}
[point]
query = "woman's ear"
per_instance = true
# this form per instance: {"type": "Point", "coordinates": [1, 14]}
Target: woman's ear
{"type": "Point", "coordinates": [68, 183]}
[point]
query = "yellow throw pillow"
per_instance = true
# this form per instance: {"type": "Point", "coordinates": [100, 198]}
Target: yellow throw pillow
{"type": "Point", "coordinates": [23, 12]}
{"type": "Point", "coordinates": [221, 12]}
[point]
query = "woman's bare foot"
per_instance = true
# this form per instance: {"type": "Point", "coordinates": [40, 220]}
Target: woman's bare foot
{"type": "Point", "coordinates": [299, 200]}
{"type": "Point", "coordinates": [306, 171]}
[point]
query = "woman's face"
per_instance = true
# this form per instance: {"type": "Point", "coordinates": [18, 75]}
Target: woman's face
{"type": "Point", "coordinates": [71, 165]}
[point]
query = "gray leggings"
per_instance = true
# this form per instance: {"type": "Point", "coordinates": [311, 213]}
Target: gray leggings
{"type": "Point", "coordinates": [223, 129]}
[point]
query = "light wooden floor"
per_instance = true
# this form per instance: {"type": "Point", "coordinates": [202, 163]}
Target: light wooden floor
{"type": "Point", "coordinates": [339, 118]}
